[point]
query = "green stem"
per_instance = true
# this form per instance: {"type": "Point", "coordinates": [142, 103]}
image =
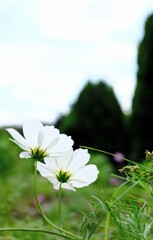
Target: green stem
{"type": "Point", "coordinates": [108, 153]}
{"type": "Point", "coordinates": [34, 230]}
{"type": "Point", "coordinates": [42, 212]}
{"type": "Point", "coordinates": [112, 203]}
{"type": "Point", "coordinates": [106, 226]}
{"type": "Point", "coordinates": [59, 204]}
{"type": "Point", "coordinates": [124, 191]}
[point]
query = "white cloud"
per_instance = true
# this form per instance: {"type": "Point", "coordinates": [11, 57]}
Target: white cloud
{"type": "Point", "coordinates": [78, 20]}
{"type": "Point", "coordinates": [69, 20]}
{"type": "Point", "coordinates": [110, 52]}
{"type": "Point", "coordinates": [9, 118]}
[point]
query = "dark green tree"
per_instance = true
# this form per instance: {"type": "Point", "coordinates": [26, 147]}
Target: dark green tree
{"type": "Point", "coordinates": [96, 119]}
{"type": "Point", "coordinates": [142, 106]}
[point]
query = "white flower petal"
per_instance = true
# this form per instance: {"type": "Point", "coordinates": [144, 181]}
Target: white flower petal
{"type": "Point", "coordinates": [64, 144]}
{"type": "Point", "coordinates": [68, 186]}
{"type": "Point", "coordinates": [18, 139]}
{"type": "Point", "coordinates": [40, 138]}
{"type": "Point", "coordinates": [50, 136]}
{"type": "Point", "coordinates": [60, 163]}
{"type": "Point", "coordinates": [41, 141]}
{"type": "Point", "coordinates": [70, 164]}
{"type": "Point", "coordinates": [52, 163]}
{"type": "Point", "coordinates": [85, 176]}
{"type": "Point", "coordinates": [25, 155]}
{"type": "Point", "coordinates": [44, 170]}
{"type": "Point", "coordinates": [56, 184]}
{"type": "Point", "coordinates": [80, 158]}
{"type": "Point", "coordinates": [64, 160]}
{"type": "Point", "coordinates": [31, 129]}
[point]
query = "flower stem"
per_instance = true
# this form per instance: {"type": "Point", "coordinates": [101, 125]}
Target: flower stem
{"type": "Point", "coordinates": [59, 204]}
{"type": "Point", "coordinates": [42, 212]}
{"type": "Point", "coordinates": [106, 226]}
{"type": "Point", "coordinates": [34, 230]}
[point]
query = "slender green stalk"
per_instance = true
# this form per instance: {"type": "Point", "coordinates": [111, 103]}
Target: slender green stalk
{"type": "Point", "coordinates": [125, 192]}
{"type": "Point", "coordinates": [111, 154]}
{"type": "Point", "coordinates": [112, 203]}
{"type": "Point", "coordinates": [59, 204]}
{"type": "Point", "coordinates": [36, 197]}
{"type": "Point", "coordinates": [42, 212]}
{"type": "Point", "coordinates": [33, 230]}
{"type": "Point", "coordinates": [107, 226]}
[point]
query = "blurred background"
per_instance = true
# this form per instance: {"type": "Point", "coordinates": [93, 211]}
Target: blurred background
{"type": "Point", "coordinates": [84, 66]}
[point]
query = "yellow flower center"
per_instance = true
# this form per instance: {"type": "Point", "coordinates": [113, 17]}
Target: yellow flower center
{"type": "Point", "coordinates": [38, 153]}
{"type": "Point", "coordinates": [62, 176]}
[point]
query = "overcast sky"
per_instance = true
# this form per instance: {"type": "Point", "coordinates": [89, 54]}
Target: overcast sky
{"type": "Point", "coordinates": [49, 49]}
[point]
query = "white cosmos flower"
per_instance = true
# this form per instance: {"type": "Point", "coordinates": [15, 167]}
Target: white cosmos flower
{"type": "Point", "coordinates": [40, 141]}
{"type": "Point", "coordinates": [69, 170]}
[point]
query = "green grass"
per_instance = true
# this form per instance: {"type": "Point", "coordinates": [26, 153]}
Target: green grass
{"type": "Point", "coordinates": [17, 205]}
{"type": "Point", "coordinates": [127, 214]}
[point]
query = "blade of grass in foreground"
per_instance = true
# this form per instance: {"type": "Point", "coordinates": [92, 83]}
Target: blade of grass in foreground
{"type": "Point", "coordinates": [34, 230]}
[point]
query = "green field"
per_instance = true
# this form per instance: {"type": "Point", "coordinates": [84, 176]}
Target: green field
{"type": "Point", "coordinates": [82, 211]}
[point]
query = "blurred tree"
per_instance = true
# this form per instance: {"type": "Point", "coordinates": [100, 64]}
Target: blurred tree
{"type": "Point", "coordinates": [96, 119]}
{"type": "Point", "coordinates": [142, 115]}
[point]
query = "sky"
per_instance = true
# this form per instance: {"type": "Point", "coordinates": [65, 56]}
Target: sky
{"type": "Point", "coordinates": [50, 49]}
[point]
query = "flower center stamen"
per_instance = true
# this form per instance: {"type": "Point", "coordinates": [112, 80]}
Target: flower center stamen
{"type": "Point", "coordinates": [38, 153]}
{"type": "Point", "coordinates": [62, 176]}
